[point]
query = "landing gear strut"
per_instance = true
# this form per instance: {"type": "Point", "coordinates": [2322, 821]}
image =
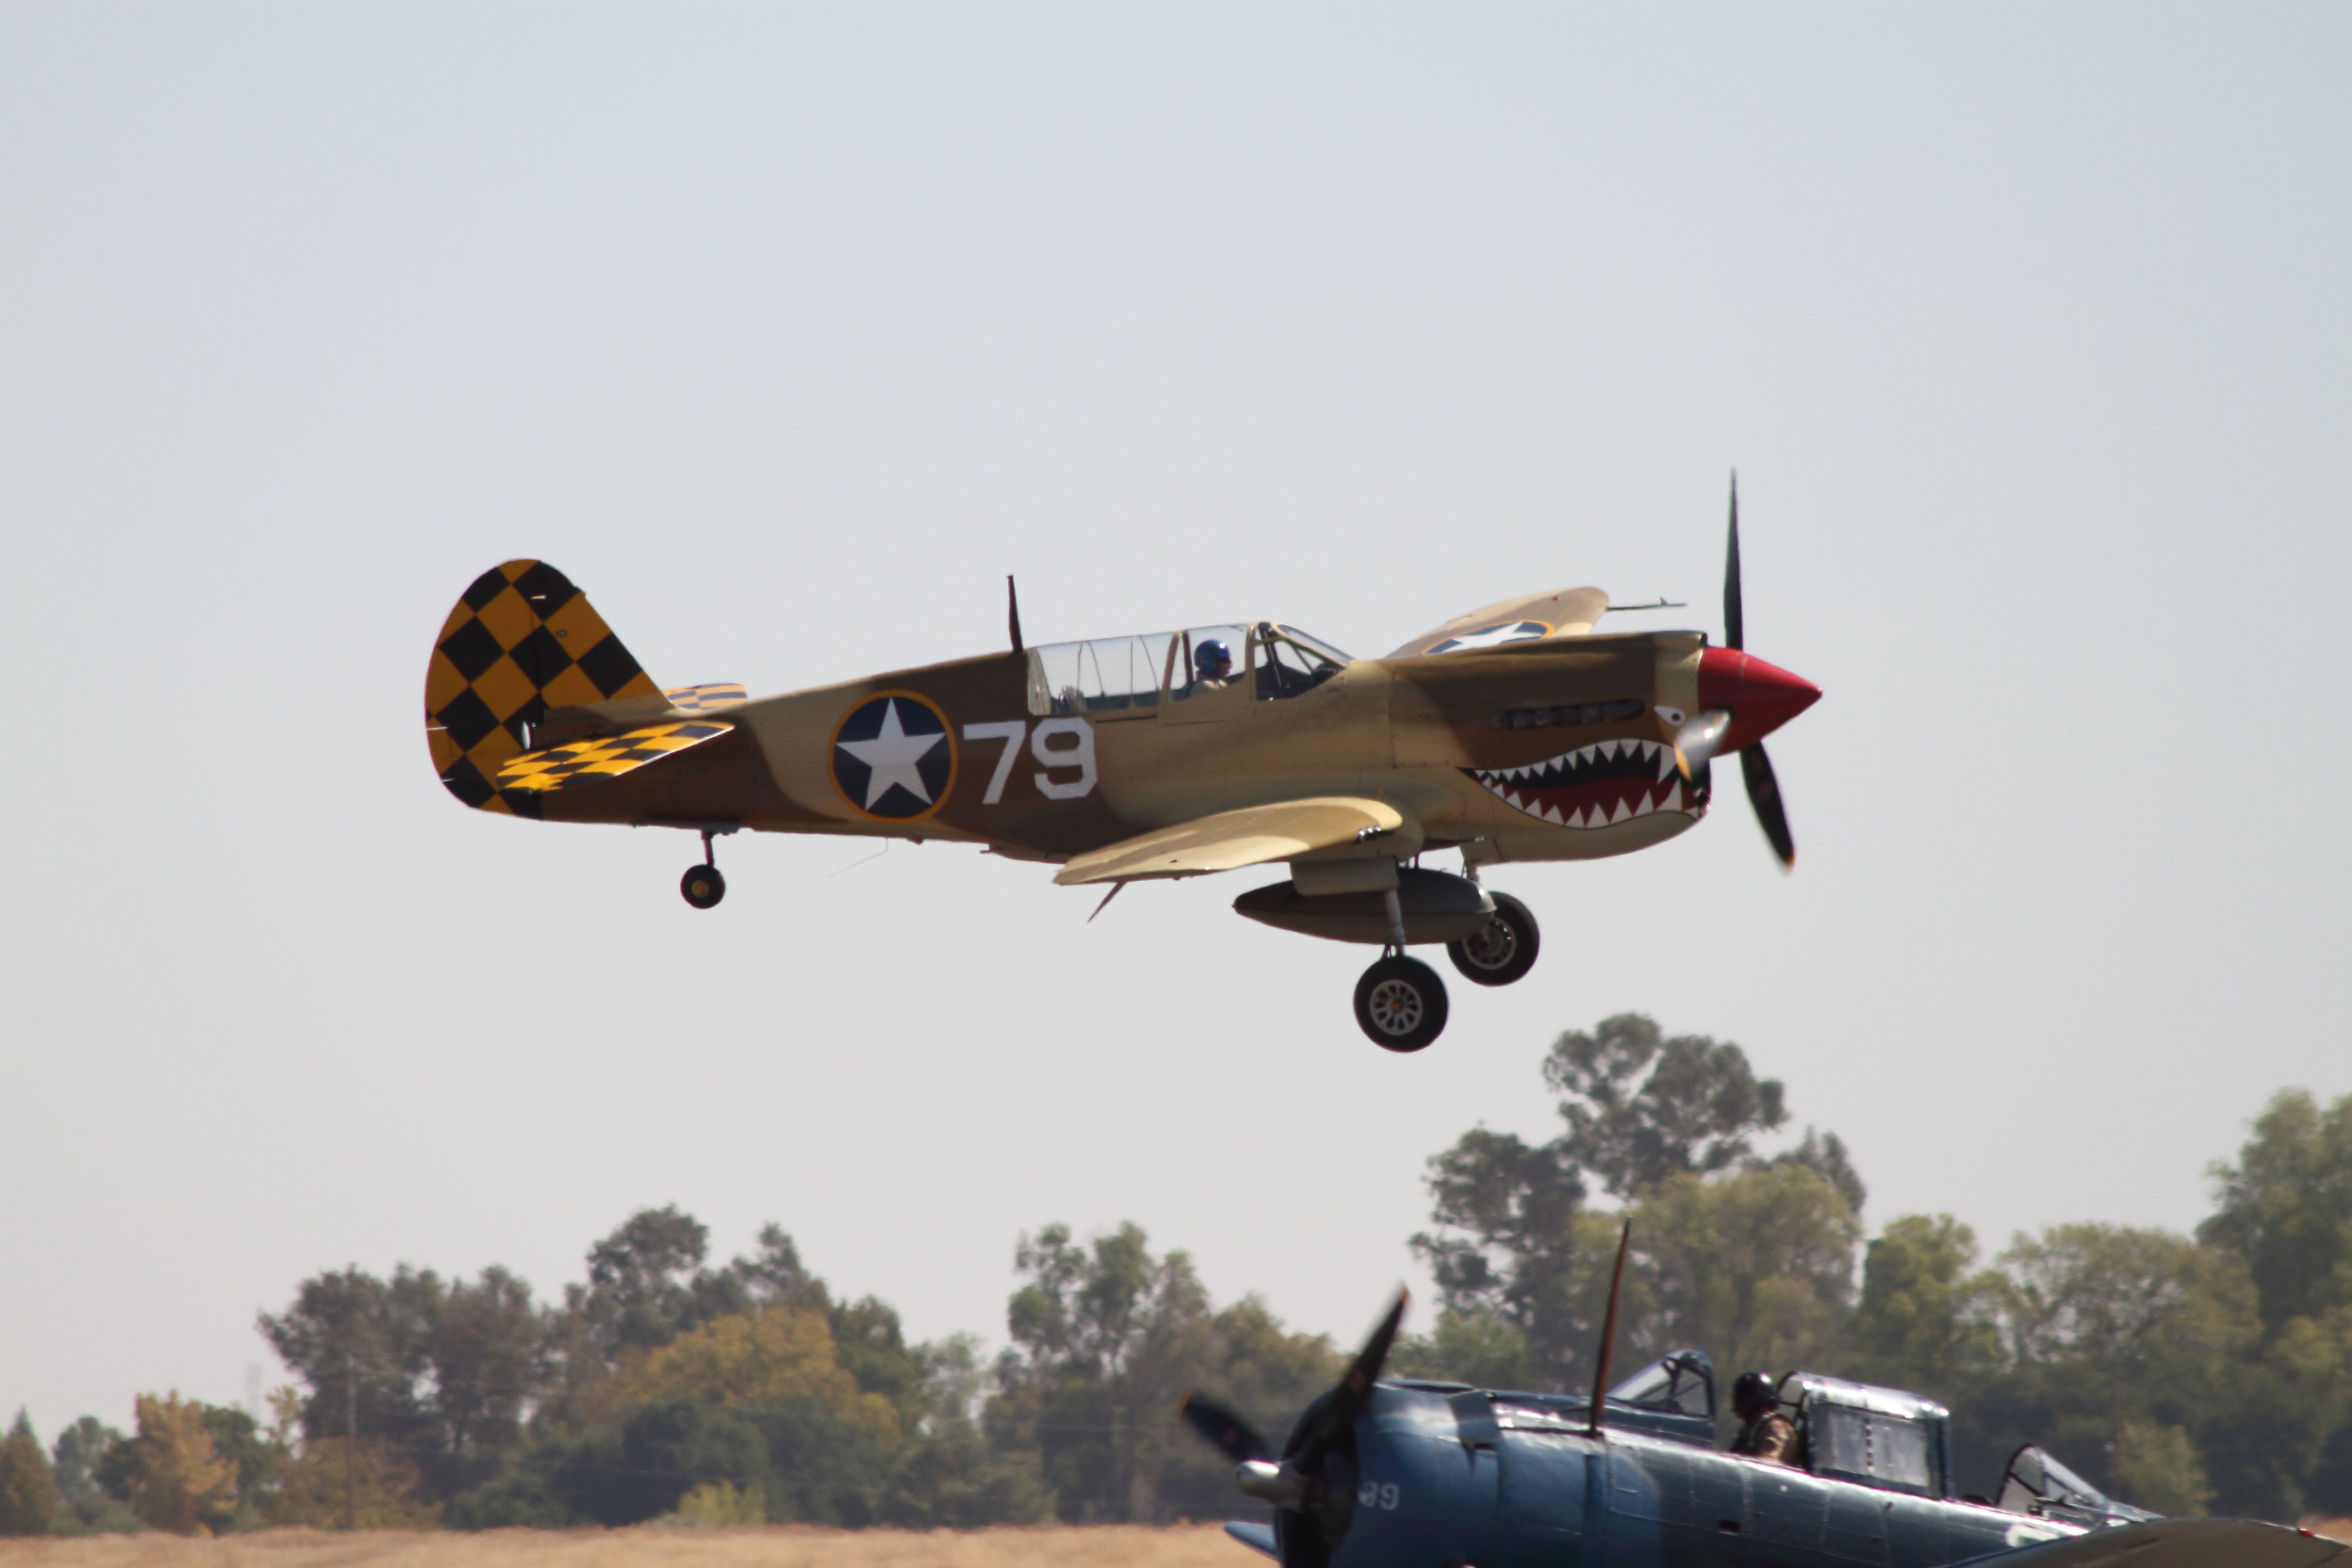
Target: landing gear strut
{"type": "Point", "coordinates": [702, 885]}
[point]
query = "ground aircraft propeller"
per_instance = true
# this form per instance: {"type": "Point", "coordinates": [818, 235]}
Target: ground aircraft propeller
{"type": "Point", "coordinates": [1702, 734]}
{"type": "Point", "coordinates": [1295, 1481]}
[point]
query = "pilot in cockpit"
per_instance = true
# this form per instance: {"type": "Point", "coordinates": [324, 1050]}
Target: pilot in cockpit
{"type": "Point", "coordinates": [1764, 1433]}
{"type": "Point", "coordinates": [1212, 666]}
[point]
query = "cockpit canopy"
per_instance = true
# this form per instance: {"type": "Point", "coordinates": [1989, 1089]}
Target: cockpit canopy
{"type": "Point", "coordinates": [1682, 1382]}
{"type": "Point", "coordinates": [2038, 1485]}
{"type": "Point", "coordinates": [1134, 675]}
{"type": "Point", "coordinates": [1879, 1437]}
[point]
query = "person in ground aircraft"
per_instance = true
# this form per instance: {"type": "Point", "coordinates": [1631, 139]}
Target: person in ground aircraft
{"type": "Point", "coordinates": [1764, 1433]}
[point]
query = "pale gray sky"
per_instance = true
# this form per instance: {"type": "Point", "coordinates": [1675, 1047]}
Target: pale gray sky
{"type": "Point", "coordinates": [788, 330]}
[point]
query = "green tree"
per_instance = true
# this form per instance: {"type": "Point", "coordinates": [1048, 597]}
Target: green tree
{"type": "Point", "coordinates": [1641, 1108]}
{"type": "Point", "coordinates": [2278, 1440]}
{"type": "Point", "coordinates": [28, 1488]}
{"type": "Point", "coordinates": [485, 1349]}
{"type": "Point", "coordinates": [1514, 1245]}
{"type": "Point", "coordinates": [178, 1481]}
{"type": "Point", "coordinates": [1476, 1345]}
{"type": "Point", "coordinates": [1928, 1320]}
{"type": "Point", "coordinates": [2286, 1209]}
{"type": "Point", "coordinates": [2109, 1325]}
{"type": "Point", "coordinates": [1755, 1266]}
{"type": "Point", "coordinates": [364, 1347]}
{"type": "Point", "coordinates": [82, 1452]}
{"type": "Point", "coordinates": [1106, 1340]}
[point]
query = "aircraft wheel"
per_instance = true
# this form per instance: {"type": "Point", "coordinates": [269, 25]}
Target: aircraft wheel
{"type": "Point", "coordinates": [1504, 951]}
{"type": "Point", "coordinates": [703, 887]}
{"type": "Point", "coordinates": [1401, 1004]}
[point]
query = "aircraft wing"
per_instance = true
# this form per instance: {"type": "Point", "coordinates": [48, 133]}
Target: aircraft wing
{"type": "Point", "coordinates": [1232, 839]}
{"type": "Point", "coordinates": [583, 762]}
{"type": "Point", "coordinates": [2176, 1543]}
{"type": "Point", "coordinates": [1566, 613]}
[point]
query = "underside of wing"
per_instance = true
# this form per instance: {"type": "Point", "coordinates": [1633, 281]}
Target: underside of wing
{"type": "Point", "coordinates": [1565, 612]}
{"type": "Point", "coordinates": [2176, 1543]}
{"type": "Point", "coordinates": [1232, 839]}
{"type": "Point", "coordinates": [585, 761]}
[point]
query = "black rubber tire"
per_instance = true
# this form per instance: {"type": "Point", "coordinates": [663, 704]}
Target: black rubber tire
{"type": "Point", "coordinates": [702, 886]}
{"type": "Point", "coordinates": [1502, 953]}
{"type": "Point", "coordinates": [1400, 1005]}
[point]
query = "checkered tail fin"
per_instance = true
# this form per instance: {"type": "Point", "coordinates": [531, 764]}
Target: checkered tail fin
{"type": "Point", "coordinates": [523, 640]}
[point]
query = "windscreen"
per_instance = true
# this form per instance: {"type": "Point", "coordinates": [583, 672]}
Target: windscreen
{"type": "Point", "coordinates": [1683, 1382]}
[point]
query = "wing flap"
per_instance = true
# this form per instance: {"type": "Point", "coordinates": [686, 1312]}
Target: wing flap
{"type": "Point", "coordinates": [1232, 839]}
{"type": "Point", "coordinates": [1566, 613]}
{"type": "Point", "coordinates": [609, 757]}
{"type": "Point", "coordinates": [2176, 1543]}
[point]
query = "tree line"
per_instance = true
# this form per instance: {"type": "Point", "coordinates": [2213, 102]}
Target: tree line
{"type": "Point", "coordinates": [2198, 1373]}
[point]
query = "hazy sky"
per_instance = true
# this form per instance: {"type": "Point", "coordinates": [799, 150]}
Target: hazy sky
{"type": "Point", "coordinates": [788, 330]}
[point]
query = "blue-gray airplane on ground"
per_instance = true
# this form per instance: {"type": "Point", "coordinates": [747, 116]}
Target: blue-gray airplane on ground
{"type": "Point", "coordinates": [1403, 1473]}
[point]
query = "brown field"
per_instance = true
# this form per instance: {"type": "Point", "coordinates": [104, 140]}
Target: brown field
{"type": "Point", "coordinates": [776, 1546]}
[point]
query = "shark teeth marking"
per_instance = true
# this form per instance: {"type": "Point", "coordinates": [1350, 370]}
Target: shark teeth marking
{"type": "Point", "coordinates": [1597, 785]}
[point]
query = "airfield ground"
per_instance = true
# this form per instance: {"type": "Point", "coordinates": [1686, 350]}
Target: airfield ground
{"type": "Point", "coordinates": [780, 1546]}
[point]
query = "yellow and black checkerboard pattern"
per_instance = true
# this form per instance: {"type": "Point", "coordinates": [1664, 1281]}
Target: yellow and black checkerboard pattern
{"type": "Point", "coordinates": [614, 754]}
{"type": "Point", "coordinates": [709, 694]}
{"type": "Point", "coordinates": [522, 640]}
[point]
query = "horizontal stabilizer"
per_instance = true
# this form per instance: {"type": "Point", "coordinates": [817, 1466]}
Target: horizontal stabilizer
{"type": "Point", "coordinates": [2177, 1543]}
{"type": "Point", "coordinates": [1258, 1537]}
{"type": "Point", "coordinates": [583, 762]}
{"type": "Point", "coordinates": [1232, 839]}
{"type": "Point", "coordinates": [711, 694]}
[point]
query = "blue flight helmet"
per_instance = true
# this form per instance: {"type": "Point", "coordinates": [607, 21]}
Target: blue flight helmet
{"type": "Point", "coordinates": [1212, 659]}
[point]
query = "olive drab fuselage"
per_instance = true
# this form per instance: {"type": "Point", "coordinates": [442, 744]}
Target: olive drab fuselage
{"type": "Point", "coordinates": [1418, 733]}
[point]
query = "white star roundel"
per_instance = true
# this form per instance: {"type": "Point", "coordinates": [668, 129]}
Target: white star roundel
{"type": "Point", "coordinates": [893, 757]}
{"type": "Point", "coordinates": [1492, 637]}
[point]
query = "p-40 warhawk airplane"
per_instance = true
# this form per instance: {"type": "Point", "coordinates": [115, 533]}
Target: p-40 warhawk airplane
{"type": "Point", "coordinates": [1411, 1474]}
{"type": "Point", "coordinates": [1515, 732]}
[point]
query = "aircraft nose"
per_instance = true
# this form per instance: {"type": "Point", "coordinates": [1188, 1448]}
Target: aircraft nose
{"type": "Point", "coordinates": [1759, 697]}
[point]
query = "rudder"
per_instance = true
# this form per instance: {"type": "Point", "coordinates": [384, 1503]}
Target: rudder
{"type": "Point", "coordinates": [521, 640]}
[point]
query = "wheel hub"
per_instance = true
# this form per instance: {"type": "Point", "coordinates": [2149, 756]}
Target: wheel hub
{"type": "Point", "coordinates": [1395, 1006]}
{"type": "Point", "coordinates": [1491, 947]}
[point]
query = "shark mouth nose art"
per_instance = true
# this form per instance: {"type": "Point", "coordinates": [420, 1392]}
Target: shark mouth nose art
{"type": "Point", "coordinates": [1592, 786]}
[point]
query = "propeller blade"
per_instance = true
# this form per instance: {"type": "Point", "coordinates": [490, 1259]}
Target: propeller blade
{"type": "Point", "coordinates": [1232, 1436]}
{"type": "Point", "coordinates": [1355, 1390]}
{"type": "Point", "coordinates": [1735, 623]}
{"type": "Point", "coordinates": [1699, 740]}
{"type": "Point", "coordinates": [1764, 794]}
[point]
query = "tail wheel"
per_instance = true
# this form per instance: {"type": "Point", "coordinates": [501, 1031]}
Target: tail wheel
{"type": "Point", "coordinates": [1501, 951]}
{"type": "Point", "coordinates": [1401, 1004]}
{"type": "Point", "coordinates": [703, 887]}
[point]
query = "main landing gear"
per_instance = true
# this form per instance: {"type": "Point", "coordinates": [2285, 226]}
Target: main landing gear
{"type": "Point", "coordinates": [702, 886]}
{"type": "Point", "coordinates": [1401, 1003]}
{"type": "Point", "coordinates": [1502, 950]}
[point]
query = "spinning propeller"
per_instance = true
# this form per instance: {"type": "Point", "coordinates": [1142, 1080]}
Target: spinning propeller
{"type": "Point", "coordinates": [1742, 699]}
{"type": "Point", "coordinates": [1310, 1483]}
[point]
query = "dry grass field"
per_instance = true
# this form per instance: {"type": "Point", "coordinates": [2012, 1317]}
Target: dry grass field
{"type": "Point", "coordinates": [776, 1546]}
